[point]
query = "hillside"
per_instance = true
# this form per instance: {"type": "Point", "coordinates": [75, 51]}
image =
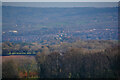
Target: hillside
{"type": "Point", "coordinates": [29, 24]}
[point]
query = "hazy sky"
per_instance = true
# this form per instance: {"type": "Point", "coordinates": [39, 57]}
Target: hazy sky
{"type": "Point", "coordinates": [61, 4]}
{"type": "Point", "coordinates": [60, 0]}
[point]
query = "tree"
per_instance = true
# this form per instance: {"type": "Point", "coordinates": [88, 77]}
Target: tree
{"type": "Point", "coordinates": [9, 69]}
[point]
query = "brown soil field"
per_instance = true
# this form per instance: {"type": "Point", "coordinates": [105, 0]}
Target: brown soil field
{"type": "Point", "coordinates": [17, 57]}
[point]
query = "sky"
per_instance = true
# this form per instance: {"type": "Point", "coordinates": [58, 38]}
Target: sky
{"type": "Point", "coordinates": [61, 4]}
{"type": "Point", "coordinates": [60, 0]}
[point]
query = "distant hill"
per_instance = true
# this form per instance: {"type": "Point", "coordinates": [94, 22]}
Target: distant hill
{"type": "Point", "coordinates": [29, 21]}
{"type": "Point", "coordinates": [51, 16]}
